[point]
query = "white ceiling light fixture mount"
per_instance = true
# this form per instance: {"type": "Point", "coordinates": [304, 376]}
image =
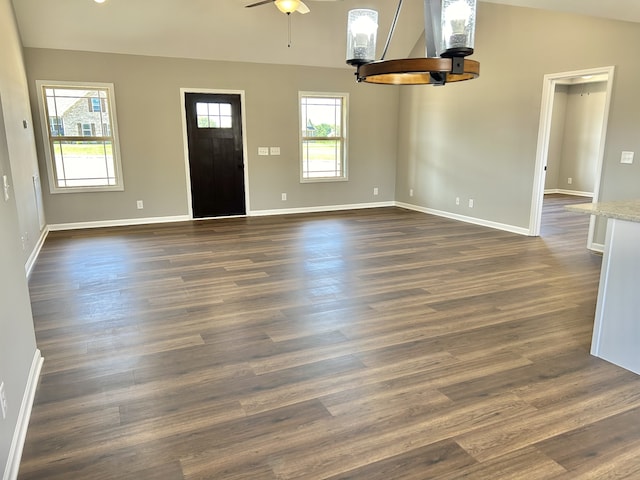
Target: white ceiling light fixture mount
{"type": "Point", "coordinates": [449, 35]}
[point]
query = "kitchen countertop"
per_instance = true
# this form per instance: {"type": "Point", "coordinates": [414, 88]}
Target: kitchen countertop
{"type": "Point", "coordinates": [622, 210]}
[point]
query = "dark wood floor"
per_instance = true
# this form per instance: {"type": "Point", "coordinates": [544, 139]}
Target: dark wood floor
{"type": "Point", "coordinates": [377, 344]}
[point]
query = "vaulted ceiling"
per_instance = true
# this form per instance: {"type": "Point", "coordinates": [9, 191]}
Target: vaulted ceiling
{"type": "Point", "coordinates": [226, 30]}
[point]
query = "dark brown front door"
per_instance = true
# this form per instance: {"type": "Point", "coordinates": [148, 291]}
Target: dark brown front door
{"type": "Point", "coordinates": [214, 130]}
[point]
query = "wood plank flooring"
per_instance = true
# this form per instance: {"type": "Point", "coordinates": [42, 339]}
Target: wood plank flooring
{"type": "Point", "coordinates": [373, 344]}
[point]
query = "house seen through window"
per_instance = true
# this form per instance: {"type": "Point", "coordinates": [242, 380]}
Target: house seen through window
{"type": "Point", "coordinates": [81, 135]}
{"type": "Point", "coordinates": [323, 136]}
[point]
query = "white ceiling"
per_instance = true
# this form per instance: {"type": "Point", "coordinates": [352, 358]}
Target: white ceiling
{"type": "Point", "coordinates": [225, 30]}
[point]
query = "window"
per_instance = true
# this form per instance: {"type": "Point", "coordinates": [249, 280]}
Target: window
{"type": "Point", "coordinates": [56, 126]}
{"type": "Point", "coordinates": [214, 115]}
{"type": "Point", "coordinates": [85, 158]}
{"type": "Point", "coordinates": [87, 129]}
{"type": "Point", "coordinates": [323, 137]}
{"type": "Point", "coordinates": [96, 104]}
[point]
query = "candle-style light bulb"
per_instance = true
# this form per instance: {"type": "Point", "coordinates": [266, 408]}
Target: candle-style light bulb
{"type": "Point", "coordinates": [458, 26]}
{"type": "Point", "coordinates": [362, 32]}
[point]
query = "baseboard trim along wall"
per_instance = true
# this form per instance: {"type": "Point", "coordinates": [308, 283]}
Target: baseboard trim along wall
{"type": "Point", "coordinates": [575, 193]}
{"type": "Point", "coordinates": [20, 433]}
{"type": "Point", "coordinates": [31, 261]}
{"type": "Point", "coordinates": [464, 218]}
{"type": "Point", "coordinates": [289, 211]}
{"type": "Point", "coordinates": [117, 223]}
{"type": "Point", "coordinates": [324, 208]}
{"type": "Point", "coordinates": [597, 247]}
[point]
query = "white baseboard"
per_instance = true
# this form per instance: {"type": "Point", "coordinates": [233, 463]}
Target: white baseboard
{"type": "Point", "coordinates": [575, 193]}
{"type": "Point", "coordinates": [118, 223]}
{"type": "Point", "coordinates": [20, 433]}
{"type": "Point", "coordinates": [324, 208]}
{"type": "Point", "coordinates": [464, 218]}
{"type": "Point", "coordinates": [290, 211]}
{"type": "Point", "coordinates": [31, 261]}
{"type": "Point", "coordinates": [597, 247]}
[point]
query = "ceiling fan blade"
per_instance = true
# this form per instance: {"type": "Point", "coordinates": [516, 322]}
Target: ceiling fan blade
{"type": "Point", "coordinates": [302, 8]}
{"type": "Point", "coordinates": [257, 4]}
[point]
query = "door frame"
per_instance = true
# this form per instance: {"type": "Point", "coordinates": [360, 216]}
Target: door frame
{"type": "Point", "coordinates": [544, 134]}
{"type": "Point", "coordinates": [185, 142]}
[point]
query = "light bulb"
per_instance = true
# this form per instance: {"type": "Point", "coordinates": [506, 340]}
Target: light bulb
{"type": "Point", "coordinates": [287, 6]}
{"type": "Point", "coordinates": [362, 32]}
{"type": "Point", "coordinates": [458, 27]}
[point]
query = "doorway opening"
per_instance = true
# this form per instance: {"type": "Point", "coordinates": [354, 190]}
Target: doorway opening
{"type": "Point", "coordinates": [571, 139]}
{"type": "Point", "coordinates": [215, 153]}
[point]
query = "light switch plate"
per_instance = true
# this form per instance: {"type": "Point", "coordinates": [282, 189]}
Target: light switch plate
{"type": "Point", "coordinates": [263, 151]}
{"type": "Point", "coordinates": [627, 158]}
{"type": "Point", "coordinates": [274, 150]}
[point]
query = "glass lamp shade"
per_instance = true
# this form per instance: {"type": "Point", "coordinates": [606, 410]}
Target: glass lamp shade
{"type": "Point", "coordinates": [287, 6]}
{"type": "Point", "coordinates": [458, 22]}
{"type": "Point", "coordinates": [362, 31]}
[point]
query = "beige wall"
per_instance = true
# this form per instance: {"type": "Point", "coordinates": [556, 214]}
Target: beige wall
{"type": "Point", "coordinates": [479, 138]}
{"type": "Point", "coordinates": [556, 137]}
{"type": "Point", "coordinates": [578, 126]}
{"type": "Point", "coordinates": [17, 338]}
{"type": "Point", "coordinates": [585, 113]}
{"type": "Point", "coordinates": [147, 91]}
{"type": "Point", "coordinates": [21, 147]}
{"type": "Point", "coordinates": [470, 140]}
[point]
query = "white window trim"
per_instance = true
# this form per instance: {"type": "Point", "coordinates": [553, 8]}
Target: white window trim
{"type": "Point", "coordinates": [345, 133]}
{"type": "Point", "coordinates": [44, 122]}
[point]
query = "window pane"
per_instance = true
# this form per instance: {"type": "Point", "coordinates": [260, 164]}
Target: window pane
{"type": "Point", "coordinates": [202, 109]}
{"type": "Point", "coordinates": [79, 107]}
{"type": "Point", "coordinates": [321, 158]}
{"type": "Point", "coordinates": [322, 117]}
{"type": "Point", "coordinates": [214, 115]}
{"type": "Point", "coordinates": [84, 163]}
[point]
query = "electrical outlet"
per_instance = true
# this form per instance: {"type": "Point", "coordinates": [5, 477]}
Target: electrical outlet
{"type": "Point", "coordinates": [140, 204]}
{"type": "Point", "coordinates": [284, 197]}
{"type": "Point", "coordinates": [471, 203]}
{"type": "Point", "coordinates": [411, 192]}
{"type": "Point", "coordinates": [375, 190]}
{"type": "Point", "coordinates": [457, 200]}
{"type": "Point", "coordinates": [3, 401]}
{"type": "Point", "coordinates": [569, 181]}
{"type": "Point", "coordinates": [627, 157]}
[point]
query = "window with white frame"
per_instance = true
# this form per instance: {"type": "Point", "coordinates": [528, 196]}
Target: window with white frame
{"type": "Point", "coordinates": [79, 128]}
{"type": "Point", "coordinates": [323, 136]}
